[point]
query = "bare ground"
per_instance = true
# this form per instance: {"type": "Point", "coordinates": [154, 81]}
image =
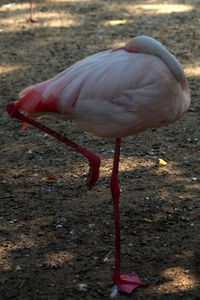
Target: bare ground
{"type": "Point", "coordinates": [54, 233]}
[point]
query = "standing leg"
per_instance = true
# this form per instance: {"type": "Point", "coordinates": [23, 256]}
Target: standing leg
{"type": "Point", "coordinates": [115, 190]}
{"type": "Point", "coordinates": [31, 19]}
{"type": "Point", "coordinates": [94, 160]}
{"type": "Point", "coordinates": [125, 283]}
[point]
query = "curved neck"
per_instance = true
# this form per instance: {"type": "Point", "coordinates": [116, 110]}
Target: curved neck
{"type": "Point", "coordinates": [148, 45]}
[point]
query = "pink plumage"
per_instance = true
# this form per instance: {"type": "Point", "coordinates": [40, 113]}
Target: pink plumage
{"type": "Point", "coordinates": [113, 94]}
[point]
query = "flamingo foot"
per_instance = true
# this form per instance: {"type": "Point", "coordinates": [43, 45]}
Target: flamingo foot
{"type": "Point", "coordinates": [128, 283]}
{"type": "Point", "coordinates": [93, 171]}
{"type": "Point", "coordinates": [33, 20]}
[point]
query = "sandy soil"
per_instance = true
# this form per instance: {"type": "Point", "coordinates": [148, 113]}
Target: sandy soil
{"type": "Point", "coordinates": [54, 233]}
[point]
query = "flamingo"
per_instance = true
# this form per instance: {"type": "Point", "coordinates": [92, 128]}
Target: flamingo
{"type": "Point", "coordinates": [112, 94]}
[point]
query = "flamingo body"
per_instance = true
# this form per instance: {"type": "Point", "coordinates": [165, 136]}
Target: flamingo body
{"type": "Point", "coordinates": [113, 94]}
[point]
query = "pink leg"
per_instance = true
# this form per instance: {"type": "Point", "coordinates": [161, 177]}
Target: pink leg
{"type": "Point", "coordinates": [94, 161]}
{"type": "Point", "coordinates": [125, 283]}
{"type": "Point", "coordinates": [31, 19]}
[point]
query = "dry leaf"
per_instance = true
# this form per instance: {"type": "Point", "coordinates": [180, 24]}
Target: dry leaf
{"type": "Point", "coordinates": [162, 162]}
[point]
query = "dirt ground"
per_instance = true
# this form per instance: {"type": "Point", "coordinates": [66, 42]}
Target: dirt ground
{"type": "Point", "coordinates": [56, 237]}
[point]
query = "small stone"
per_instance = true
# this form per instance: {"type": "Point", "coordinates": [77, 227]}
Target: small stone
{"type": "Point", "coordinates": [59, 226]}
{"type": "Point", "coordinates": [147, 220]}
{"type": "Point", "coordinates": [114, 291]}
{"type": "Point", "coordinates": [194, 178]}
{"type": "Point", "coordinates": [54, 266]}
{"type": "Point", "coordinates": [91, 226]}
{"type": "Point", "coordinates": [82, 287]}
{"type": "Point", "coordinates": [187, 271]}
{"type": "Point", "coordinates": [106, 258]}
{"type": "Point", "coordinates": [18, 268]}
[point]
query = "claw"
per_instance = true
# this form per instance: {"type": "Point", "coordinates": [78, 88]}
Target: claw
{"type": "Point", "coordinates": [93, 172]}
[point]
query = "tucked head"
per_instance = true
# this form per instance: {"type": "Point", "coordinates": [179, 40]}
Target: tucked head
{"type": "Point", "coordinates": [148, 45]}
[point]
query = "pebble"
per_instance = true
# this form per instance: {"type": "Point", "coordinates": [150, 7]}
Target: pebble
{"type": "Point", "coordinates": [54, 266]}
{"type": "Point", "coordinates": [59, 226]}
{"type": "Point", "coordinates": [114, 291]}
{"type": "Point", "coordinates": [106, 258]}
{"type": "Point", "coordinates": [18, 268]}
{"type": "Point", "coordinates": [82, 287]}
{"type": "Point", "coordinates": [187, 271]}
{"type": "Point", "coordinates": [91, 226]}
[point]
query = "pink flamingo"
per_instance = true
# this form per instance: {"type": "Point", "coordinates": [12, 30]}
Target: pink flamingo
{"type": "Point", "coordinates": [112, 94]}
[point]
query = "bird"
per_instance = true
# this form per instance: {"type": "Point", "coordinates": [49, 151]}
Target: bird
{"type": "Point", "coordinates": [112, 94]}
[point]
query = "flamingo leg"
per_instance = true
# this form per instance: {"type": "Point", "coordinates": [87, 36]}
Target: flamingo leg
{"type": "Point", "coordinates": [115, 190]}
{"type": "Point", "coordinates": [31, 19]}
{"type": "Point", "coordinates": [125, 283]}
{"type": "Point", "coordinates": [94, 161]}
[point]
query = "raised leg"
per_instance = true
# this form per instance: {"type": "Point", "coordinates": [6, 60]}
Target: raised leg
{"type": "Point", "coordinates": [31, 19]}
{"type": "Point", "coordinates": [125, 283]}
{"type": "Point", "coordinates": [94, 161]}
